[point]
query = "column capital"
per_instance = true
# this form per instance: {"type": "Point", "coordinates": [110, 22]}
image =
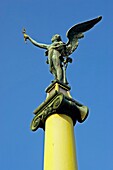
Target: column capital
{"type": "Point", "coordinates": [58, 101]}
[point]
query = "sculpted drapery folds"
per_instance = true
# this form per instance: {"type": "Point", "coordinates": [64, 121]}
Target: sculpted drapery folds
{"type": "Point", "coordinates": [58, 52]}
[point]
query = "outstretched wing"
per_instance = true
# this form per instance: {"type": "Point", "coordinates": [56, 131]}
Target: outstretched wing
{"type": "Point", "coordinates": [76, 32]}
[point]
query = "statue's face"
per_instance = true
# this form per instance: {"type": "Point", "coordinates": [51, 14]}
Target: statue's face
{"type": "Point", "coordinates": [56, 37]}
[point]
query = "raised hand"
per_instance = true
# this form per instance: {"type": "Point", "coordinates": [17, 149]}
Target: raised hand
{"type": "Point", "coordinates": [25, 35]}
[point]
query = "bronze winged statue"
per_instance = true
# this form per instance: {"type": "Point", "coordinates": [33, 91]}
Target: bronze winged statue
{"type": "Point", "coordinates": [58, 52]}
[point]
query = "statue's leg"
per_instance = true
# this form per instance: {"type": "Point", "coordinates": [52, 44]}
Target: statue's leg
{"type": "Point", "coordinates": [58, 67]}
{"type": "Point", "coordinates": [51, 67]}
{"type": "Point", "coordinates": [54, 73]}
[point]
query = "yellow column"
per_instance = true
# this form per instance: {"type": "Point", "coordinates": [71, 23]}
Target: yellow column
{"type": "Point", "coordinates": [60, 153]}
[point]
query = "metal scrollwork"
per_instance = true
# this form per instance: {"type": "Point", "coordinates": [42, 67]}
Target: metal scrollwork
{"type": "Point", "coordinates": [60, 104]}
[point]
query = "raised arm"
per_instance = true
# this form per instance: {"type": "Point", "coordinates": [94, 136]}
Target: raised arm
{"type": "Point", "coordinates": [40, 45]}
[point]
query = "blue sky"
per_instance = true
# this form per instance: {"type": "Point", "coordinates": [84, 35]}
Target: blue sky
{"type": "Point", "coordinates": [24, 76]}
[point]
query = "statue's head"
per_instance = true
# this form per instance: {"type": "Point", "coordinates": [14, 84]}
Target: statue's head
{"type": "Point", "coordinates": [56, 37]}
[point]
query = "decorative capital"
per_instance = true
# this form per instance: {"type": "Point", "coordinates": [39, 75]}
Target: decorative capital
{"type": "Point", "coordinates": [58, 101]}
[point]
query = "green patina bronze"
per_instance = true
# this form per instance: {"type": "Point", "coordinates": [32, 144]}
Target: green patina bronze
{"type": "Point", "coordinates": [58, 52]}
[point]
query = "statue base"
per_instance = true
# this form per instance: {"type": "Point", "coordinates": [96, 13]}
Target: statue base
{"type": "Point", "coordinates": [58, 87]}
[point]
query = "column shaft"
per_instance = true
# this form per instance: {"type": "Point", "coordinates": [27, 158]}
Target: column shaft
{"type": "Point", "coordinates": [59, 152]}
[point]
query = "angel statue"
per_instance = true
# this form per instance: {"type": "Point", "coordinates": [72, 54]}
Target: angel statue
{"type": "Point", "coordinates": [58, 52]}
